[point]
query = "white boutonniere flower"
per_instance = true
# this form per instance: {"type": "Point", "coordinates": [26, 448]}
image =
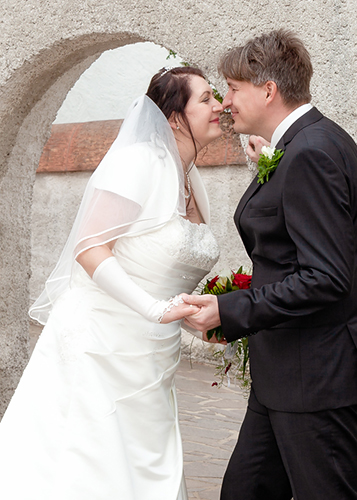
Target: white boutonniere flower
{"type": "Point", "coordinates": [267, 163]}
{"type": "Point", "coordinates": [268, 151]}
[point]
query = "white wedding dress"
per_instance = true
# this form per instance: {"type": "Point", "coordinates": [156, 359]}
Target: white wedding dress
{"type": "Point", "coordinates": [95, 414]}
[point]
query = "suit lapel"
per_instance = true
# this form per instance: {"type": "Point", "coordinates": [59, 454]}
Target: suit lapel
{"type": "Point", "coordinates": [252, 189]}
{"type": "Point", "coordinates": [307, 119]}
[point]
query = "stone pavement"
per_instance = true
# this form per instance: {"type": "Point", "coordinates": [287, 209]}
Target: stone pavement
{"type": "Point", "coordinates": [210, 418]}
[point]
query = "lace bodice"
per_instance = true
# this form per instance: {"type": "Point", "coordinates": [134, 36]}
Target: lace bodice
{"type": "Point", "coordinates": [188, 243]}
{"type": "Point", "coordinates": [165, 261]}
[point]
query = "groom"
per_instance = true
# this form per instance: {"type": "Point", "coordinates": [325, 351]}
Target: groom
{"type": "Point", "coordinates": [299, 435]}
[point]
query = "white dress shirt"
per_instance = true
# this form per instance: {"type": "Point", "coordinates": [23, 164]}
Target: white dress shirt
{"type": "Point", "coordinates": [287, 122]}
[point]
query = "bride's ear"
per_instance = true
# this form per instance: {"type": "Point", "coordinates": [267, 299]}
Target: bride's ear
{"type": "Point", "coordinates": [173, 121]}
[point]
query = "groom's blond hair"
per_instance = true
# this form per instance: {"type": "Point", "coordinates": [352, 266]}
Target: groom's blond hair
{"type": "Point", "coordinates": [279, 56]}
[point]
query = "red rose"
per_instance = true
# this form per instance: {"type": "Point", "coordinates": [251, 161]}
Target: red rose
{"type": "Point", "coordinates": [212, 282]}
{"type": "Point", "coordinates": [227, 368]}
{"type": "Point", "coordinates": [242, 281]}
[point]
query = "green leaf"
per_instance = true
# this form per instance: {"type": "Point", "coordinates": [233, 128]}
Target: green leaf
{"type": "Point", "coordinates": [217, 332]}
{"type": "Point", "coordinates": [229, 286]}
{"type": "Point", "coordinates": [217, 95]}
{"type": "Point", "coordinates": [266, 166]}
{"type": "Point", "coordinates": [210, 334]}
{"type": "Point", "coordinates": [172, 53]}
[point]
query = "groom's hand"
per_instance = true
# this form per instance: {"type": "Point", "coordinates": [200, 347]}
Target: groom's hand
{"type": "Point", "coordinates": [254, 147]}
{"type": "Point", "coordinates": [208, 316]}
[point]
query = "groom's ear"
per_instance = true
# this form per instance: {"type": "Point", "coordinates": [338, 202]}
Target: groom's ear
{"type": "Point", "coordinates": [271, 90]}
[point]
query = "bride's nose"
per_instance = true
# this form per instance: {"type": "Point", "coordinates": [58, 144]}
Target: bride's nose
{"type": "Point", "coordinates": [217, 107]}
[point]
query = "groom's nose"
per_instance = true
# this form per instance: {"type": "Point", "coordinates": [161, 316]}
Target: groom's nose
{"type": "Point", "coordinates": [227, 101]}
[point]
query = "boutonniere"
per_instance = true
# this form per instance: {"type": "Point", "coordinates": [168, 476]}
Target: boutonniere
{"type": "Point", "coordinates": [267, 163]}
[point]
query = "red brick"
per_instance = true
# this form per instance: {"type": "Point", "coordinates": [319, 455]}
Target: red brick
{"type": "Point", "coordinates": [75, 147]}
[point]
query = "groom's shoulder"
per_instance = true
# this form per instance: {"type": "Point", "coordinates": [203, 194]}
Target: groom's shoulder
{"type": "Point", "coordinates": [319, 130]}
{"type": "Point", "coordinates": [326, 124]}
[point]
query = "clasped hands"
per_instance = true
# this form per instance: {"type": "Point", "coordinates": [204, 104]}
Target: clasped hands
{"type": "Point", "coordinates": [206, 317]}
{"type": "Point", "coordinates": [199, 312]}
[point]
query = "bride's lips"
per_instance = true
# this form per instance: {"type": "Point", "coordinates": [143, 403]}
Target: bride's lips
{"type": "Point", "coordinates": [216, 120]}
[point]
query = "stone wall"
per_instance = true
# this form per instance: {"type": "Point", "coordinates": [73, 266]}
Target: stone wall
{"type": "Point", "coordinates": [44, 47]}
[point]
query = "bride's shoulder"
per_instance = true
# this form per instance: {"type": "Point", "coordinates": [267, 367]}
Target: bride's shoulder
{"type": "Point", "coordinates": [133, 152]}
{"type": "Point", "coordinates": [133, 158]}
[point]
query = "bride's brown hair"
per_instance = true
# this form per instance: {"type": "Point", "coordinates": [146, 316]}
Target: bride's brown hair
{"type": "Point", "coordinates": [170, 90]}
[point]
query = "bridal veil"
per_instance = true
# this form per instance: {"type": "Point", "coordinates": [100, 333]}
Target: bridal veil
{"type": "Point", "coordinates": [139, 185]}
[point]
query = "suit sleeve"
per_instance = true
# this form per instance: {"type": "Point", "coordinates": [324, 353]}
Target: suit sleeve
{"type": "Point", "coordinates": [317, 211]}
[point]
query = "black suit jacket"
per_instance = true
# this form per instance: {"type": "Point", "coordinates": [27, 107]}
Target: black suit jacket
{"type": "Point", "coordinates": [300, 230]}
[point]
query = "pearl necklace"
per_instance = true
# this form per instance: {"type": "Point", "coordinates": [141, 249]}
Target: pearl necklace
{"type": "Point", "coordinates": [187, 196]}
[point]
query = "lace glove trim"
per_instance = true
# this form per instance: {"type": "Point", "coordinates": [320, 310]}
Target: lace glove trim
{"type": "Point", "coordinates": [174, 301]}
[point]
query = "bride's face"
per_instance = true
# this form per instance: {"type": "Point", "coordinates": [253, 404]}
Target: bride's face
{"type": "Point", "coordinates": [202, 111]}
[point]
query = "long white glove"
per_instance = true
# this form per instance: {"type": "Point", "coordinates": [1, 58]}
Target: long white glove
{"type": "Point", "coordinates": [112, 278]}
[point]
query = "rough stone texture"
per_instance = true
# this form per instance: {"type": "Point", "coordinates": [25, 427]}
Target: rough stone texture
{"type": "Point", "coordinates": [45, 46]}
{"type": "Point", "coordinates": [56, 201]}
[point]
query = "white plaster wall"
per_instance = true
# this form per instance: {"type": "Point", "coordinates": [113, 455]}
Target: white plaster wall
{"type": "Point", "coordinates": [108, 87]}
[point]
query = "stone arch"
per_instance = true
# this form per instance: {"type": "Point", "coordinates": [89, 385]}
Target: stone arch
{"type": "Point", "coordinates": [30, 100]}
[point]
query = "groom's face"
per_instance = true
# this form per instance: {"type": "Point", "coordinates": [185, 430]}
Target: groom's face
{"type": "Point", "coordinates": [246, 102]}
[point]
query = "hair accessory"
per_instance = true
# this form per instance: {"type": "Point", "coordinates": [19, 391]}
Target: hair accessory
{"type": "Point", "coordinates": [166, 68]}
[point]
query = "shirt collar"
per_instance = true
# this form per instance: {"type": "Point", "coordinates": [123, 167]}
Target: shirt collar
{"type": "Point", "coordinates": [287, 122]}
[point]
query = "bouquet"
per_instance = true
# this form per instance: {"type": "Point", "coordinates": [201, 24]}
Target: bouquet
{"type": "Point", "coordinates": [235, 358]}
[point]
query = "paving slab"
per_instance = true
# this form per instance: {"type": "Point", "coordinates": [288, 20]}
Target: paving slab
{"type": "Point", "coordinates": [210, 419]}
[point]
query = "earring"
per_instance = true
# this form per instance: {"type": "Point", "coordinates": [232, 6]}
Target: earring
{"type": "Point", "coordinates": [177, 127]}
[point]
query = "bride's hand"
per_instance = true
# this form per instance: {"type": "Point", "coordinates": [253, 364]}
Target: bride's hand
{"type": "Point", "coordinates": [255, 145]}
{"type": "Point", "coordinates": [179, 311]}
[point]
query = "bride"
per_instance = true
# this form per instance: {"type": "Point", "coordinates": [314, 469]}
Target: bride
{"type": "Point", "coordinates": [95, 415]}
